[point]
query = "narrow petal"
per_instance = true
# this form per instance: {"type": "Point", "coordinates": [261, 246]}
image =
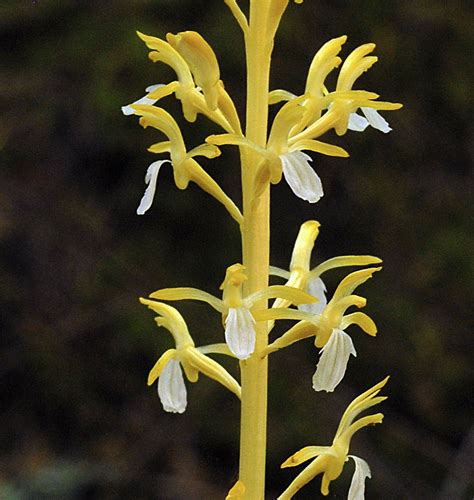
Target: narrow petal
{"type": "Point", "coordinates": [304, 454]}
{"type": "Point", "coordinates": [291, 294]}
{"type": "Point", "coordinates": [187, 293]}
{"type": "Point", "coordinates": [171, 388]}
{"type": "Point", "coordinates": [352, 281]}
{"type": "Point", "coordinates": [240, 332]}
{"type": "Point", "coordinates": [361, 403]}
{"type": "Point", "coordinates": [316, 288]}
{"type": "Point", "coordinates": [361, 473]}
{"type": "Point", "coordinates": [150, 179]}
{"type": "Point", "coordinates": [359, 318]}
{"type": "Point", "coordinates": [160, 365]}
{"type": "Point", "coordinates": [301, 178]}
{"type": "Point", "coordinates": [376, 120]}
{"type": "Point", "coordinates": [357, 123]}
{"type": "Point", "coordinates": [319, 147]}
{"type": "Point", "coordinates": [128, 110]}
{"type": "Point", "coordinates": [304, 245]}
{"type": "Point", "coordinates": [333, 362]}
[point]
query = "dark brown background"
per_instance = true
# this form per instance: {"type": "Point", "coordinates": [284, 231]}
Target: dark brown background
{"type": "Point", "coordinates": [77, 420]}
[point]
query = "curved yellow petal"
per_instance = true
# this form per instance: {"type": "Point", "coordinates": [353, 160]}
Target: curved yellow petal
{"type": "Point", "coordinates": [361, 319]}
{"type": "Point", "coordinates": [277, 271]}
{"type": "Point", "coordinates": [324, 61]}
{"type": "Point", "coordinates": [352, 281]}
{"type": "Point", "coordinates": [278, 95]}
{"type": "Point", "coordinates": [304, 454]}
{"type": "Point", "coordinates": [290, 294]}
{"type": "Point", "coordinates": [168, 55]}
{"type": "Point", "coordinates": [288, 117]}
{"type": "Point", "coordinates": [187, 293]}
{"type": "Point", "coordinates": [155, 372]}
{"type": "Point", "coordinates": [161, 120]}
{"type": "Point", "coordinates": [207, 150]}
{"type": "Point", "coordinates": [172, 320]}
{"type": "Point", "coordinates": [319, 147]}
{"type": "Point", "coordinates": [304, 244]}
{"type": "Point", "coordinates": [344, 261]}
{"type": "Point", "coordinates": [164, 91]}
{"type": "Point", "coordinates": [335, 309]}
{"type": "Point", "coordinates": [355, 64]}
{"type": "Point", "coordinates": [201, 60]}
{"type": "Point", "coordinates": [361, 403]}
{"type": "Point", "coordinates": [160, 147]}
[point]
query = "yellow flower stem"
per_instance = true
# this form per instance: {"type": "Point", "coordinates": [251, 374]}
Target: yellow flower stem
{"type": "Point", "coordinates": [255, 248]}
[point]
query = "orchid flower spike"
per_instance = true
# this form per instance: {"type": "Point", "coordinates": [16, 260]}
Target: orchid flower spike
{"type": "Point", "coordinates": [330, 460]}
{"type": "Point", "coordinates": [171, 387]}
{"type": "Point", "coordinates": [235, 306]}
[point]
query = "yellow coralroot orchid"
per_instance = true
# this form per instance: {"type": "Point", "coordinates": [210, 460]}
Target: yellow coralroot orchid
{"type": "Point", "coordinates": [201, 61]}
{"type": "Point", "coordinates": [301, 276]}
{"type": "Point", "coordinates": [330, 460]}
{"type": "Point", "coordinates": [340, 105]}
{"type": "Point", "coordinates": [171, 387]}
{"type": "Point", "coordinates": [328, 328]}
{"type": "Point", "coordinates": [235, 308]}
{"type": "Point", "coordinates": [185, 167]}
{"type": "Point", "coordinates": [198, 86]}
{"type": "Point", "coordinates": [327, 323]}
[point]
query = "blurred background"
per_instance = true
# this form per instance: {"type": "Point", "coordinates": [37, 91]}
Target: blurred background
{"type": "Point", "coordinates": [76, 417]}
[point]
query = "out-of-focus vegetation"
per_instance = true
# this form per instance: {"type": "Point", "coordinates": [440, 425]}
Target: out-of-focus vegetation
{"type": "Point", "coordinates": [77, 420]}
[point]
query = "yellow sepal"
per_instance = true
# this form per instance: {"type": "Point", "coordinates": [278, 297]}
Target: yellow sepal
{"type": "Point", "coordinates": [202, 62]}
{"type": "Point", "coordinates": [304, 245]}
{"type": "Point", "coordinates": [352, 281]}
{"type": "Point", "coordinates": [160, 147]}
{"type": "Point", "coordinates": [187, 293]}
{"type": "Point", "coordinates": [292, 295]}
{"type": "Point", "coordinates": [158, 367]}
{"type": "Point", "coordinates": [306, 453]}
{"type": "Point", "coordinates": [344, 261]}
{"type": "Point", "coordinates": [319, 147]}
{"type": "Point", "coordinates": [361, 319]}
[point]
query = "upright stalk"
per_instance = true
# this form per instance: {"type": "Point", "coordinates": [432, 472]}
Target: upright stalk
{"type": "Point", "coordinates": [255, 247]}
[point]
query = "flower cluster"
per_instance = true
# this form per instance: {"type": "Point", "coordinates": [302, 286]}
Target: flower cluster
{"type": "Point", "coordinates": [243, 304]}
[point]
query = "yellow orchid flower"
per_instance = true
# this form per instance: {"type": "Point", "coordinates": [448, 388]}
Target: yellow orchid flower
{"type": "Point", "coordinates": [198, 87]}
{"type": "Point", "coordinates": [235, 308]}
{"type": "Point", "coordinates": [330, 460]}
{"type": "Point", "coordinates": [185, 167]}
{"type": "Point", "coordinates": [301, 276]}
{"type": "Point", "coordinates": [328, 328]}
{"type": "Point", "coordinates": [343, 103]}
{"type": "Point", "coordinates": [171, 388]}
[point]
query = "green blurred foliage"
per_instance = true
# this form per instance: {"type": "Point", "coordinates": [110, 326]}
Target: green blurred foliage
{"type": "Point", "coordinates": [77, 418]}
